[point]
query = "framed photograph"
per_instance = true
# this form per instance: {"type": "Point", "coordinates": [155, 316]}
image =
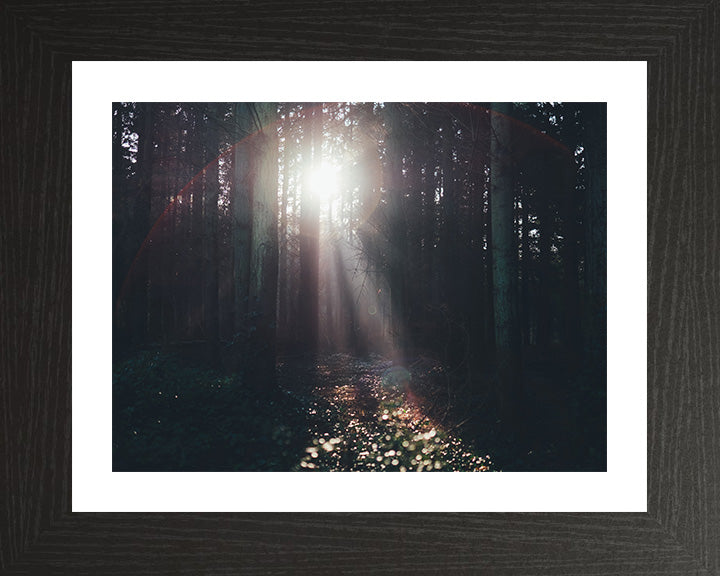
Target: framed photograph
{"type": "Point", "coordinates": [72, 505]}
{"type": "Point", "coordinates": [407, 357]}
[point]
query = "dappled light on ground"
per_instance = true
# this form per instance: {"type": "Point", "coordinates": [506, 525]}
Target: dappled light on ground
{"type": "Point", "coordinates": [367, 417]}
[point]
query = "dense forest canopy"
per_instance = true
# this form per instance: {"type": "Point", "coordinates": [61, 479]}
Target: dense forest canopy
{"type": "Point", "coordinates": [466, 236]}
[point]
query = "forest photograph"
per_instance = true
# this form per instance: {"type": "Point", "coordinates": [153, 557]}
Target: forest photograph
{"type": "Point", "coordinates": [359, 286]}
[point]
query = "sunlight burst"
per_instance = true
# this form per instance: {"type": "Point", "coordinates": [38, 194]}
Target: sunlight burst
{"type": "Point", "coordinates": [323, 181]}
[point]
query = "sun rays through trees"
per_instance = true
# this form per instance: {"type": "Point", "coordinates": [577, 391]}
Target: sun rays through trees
{"type": "Point", "coordinates": [461, 243]}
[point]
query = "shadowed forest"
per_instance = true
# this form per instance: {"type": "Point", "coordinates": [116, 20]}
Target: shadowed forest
{"type": "Point", "coordinates": [359, 286]}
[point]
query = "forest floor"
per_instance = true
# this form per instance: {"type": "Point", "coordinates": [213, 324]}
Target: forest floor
{"type": "Point", "coordinates": [368, 414]}
{"type": "Point", "coordinates": [328, 413]}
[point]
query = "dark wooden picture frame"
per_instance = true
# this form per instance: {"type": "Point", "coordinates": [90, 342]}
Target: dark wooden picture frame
{"type": "Point", "coordinates": [680, 533]}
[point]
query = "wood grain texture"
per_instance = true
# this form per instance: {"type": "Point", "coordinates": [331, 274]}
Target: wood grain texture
{"type": "Point", "coordinates": [681, 532]}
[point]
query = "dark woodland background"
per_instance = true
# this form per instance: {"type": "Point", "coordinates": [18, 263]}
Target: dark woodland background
{"type": "Point", "coordinates": [432, 272]}
{"type": "Point", "coordinates": [677, 535]}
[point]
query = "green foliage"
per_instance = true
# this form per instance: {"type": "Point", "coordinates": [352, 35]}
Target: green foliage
{"type": "Point", "coordinates": [168, 415]}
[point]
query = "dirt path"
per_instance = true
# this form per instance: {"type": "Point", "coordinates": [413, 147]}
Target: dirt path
{"type": "Point", "coordinates": [367, 414]}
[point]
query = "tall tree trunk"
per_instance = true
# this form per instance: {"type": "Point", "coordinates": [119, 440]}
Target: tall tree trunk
{"type": "Point", "coordinates": [120, 231]}
{"type": "Point", "coordinates": [592, 420]}
{"type": "Point", "coordinates": [526, 266]}
{"type": "Point", "coordinates": [489, 293]}
{"type": "Point", "coordinates": [332, 338]}
{"type": "Point", "coordinates": [398, 235]}
{"type": "Point", "coordinates": [545, 275]}
{"type": "Point", "coordinates": [196, 266]}
{"type": "Point", "coordinates": [145, 153]}
{"type": "Point", "coordinates": [168, 235]}
{"type": "Point", "coordinates": [120, 207]}
{"type": "Point", "coordinates": [264, 247]}
{"type": "Point", "coordinates": [156, 239]}
{"type": "Point", "coordinates": [571, 305]}
{"type": "Point", "coordinates": [595, 140]}
{"type": "Point", "coordinates": [454, 268]}
{"type": "Point", "coordinates": [179, 238]}
{"type": "Point", "coordinates": [288, 151]}
{"type": "Point", "coordinates": [505, 264]}
{"type": "Point", "coordinates": [309, 242]}
{"type": "Point", "coordinates": [210, 233]}
{"type": "Point", "coordinates": [241, 210]}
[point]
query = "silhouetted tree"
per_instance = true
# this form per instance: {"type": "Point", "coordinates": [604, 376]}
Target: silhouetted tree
{"type": "Point", "coordinates": [505, 258]}
{"type": "Point", "coordinates": [264, 245]}
{"type": "Point", "coordinates": [309, 235]}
